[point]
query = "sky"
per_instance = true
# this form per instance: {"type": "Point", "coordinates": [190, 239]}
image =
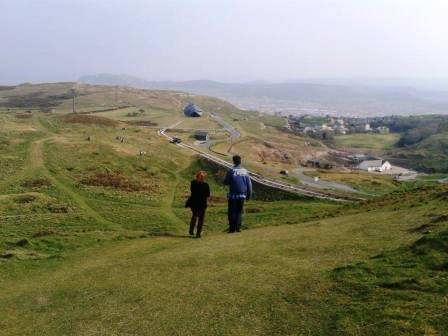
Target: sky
{"type": "Point", "coordinates": [225, 40]}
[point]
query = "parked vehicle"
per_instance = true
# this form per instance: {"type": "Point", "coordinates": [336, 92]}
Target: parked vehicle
{"type": "Point", "coordinates": [176, 140]}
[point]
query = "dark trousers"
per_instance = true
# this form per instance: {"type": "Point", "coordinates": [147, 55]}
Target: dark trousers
{"type": "Point", "coordinates": [197, 216]}
{"type": "Point", "coordinates": [235, 214]}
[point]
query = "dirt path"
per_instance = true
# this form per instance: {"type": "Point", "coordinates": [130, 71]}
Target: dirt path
{"type": "Point", "coordinates": [37, 162]}
{"type": "Point", "coordinates": [36, 154]}
{"type": "Point", "coordinates": [168, 203]}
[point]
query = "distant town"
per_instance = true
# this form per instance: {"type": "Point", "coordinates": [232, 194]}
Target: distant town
{"type": "Point", "coordinates": [325, 127]}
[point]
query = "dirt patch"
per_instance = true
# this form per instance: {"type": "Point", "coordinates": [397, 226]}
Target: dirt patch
{"type": "Point", "coordinates": [57, 208]}
{"type": "Point", "coordinates": [23, 242]}
{"type": "Point", "coordinates": [268, 144]}
{"type": "Point", "coordinates": [410, 283]}
{"type": "Point", "coordinates": [23, 116]}
{"type": "Point", "coordinates": [115, 180]}
{"type": "Point", "coordinates": [90, 120]}
{"type": "Point", "coordinates": [254, 209]}
{"type": "Point", "coordinates": [268, 152]}
{"type": "Point", "coordinates": [42, 301]}
{"type": "Point", "coordinates": [37, 183]}
{"type": "Point", "coordinates": [25, 198]}
{"type": "Point", "coordinates": [421, 229]}
{"type": "Point", "coordinates": [142, 123]}
{"type": "Point", "coordinates": [43, 233]}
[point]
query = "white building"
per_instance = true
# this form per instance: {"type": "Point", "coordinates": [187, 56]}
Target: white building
{"type": "Point", "coordinates": [382, 129]}
{"type": "Point", "coordinates": [375, 165]}
{"type": "Point", "coordinates": [325, 127]}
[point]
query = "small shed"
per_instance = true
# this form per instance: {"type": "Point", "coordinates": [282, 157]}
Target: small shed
{"type": "Point", "coordinates": [317, 163]}
{"type": "Point", "coordinates": [201, 135]}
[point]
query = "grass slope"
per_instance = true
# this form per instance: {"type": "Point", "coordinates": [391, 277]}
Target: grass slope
{"type": "Point", "coordinates": [71, 192]}
{"type": "Point", "coordinates": [93, 242]}
{"type": "Point", "coordinates": [430, 155]}
{"type": "Point", "coordinates": [399, 292]}
{"type": "Point", "coordinates": [276, 281]}
{"type": "Point", "coordinates": [366, 141]}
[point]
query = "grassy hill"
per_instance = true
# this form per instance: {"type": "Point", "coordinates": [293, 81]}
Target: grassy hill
{"type": "Point", "coordinates": [93, 237]}
{"type": "Point", "coordinates": [429, 155]}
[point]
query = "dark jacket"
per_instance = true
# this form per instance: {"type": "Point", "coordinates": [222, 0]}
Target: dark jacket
{"type": "Point", "coordinates": [240, 185]}
{"type": "Point", "coordinates": [200, 191]}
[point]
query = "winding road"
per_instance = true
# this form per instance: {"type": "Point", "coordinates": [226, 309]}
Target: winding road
{"type": "Point", "coordinates": [259, 178]}
{"type": "Point", "coordinates": [322, 184]}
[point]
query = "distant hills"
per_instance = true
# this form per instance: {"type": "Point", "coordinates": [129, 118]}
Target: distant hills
{"type": "Point", "coordinates": [301, 97]}
{"type": "Point", "coordinates": [111, 79]}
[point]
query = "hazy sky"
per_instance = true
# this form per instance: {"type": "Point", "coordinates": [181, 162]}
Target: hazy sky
{"type": "Point", "coordinates": [229, 40]}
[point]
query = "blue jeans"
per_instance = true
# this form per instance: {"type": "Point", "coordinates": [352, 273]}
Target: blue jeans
{"type": "Point", "coordinates": [235, 214]}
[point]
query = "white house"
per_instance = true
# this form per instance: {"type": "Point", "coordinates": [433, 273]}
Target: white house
{"type": "Point", "coordinates": [382, 129]}
{"type": "Point", "coordinates": [375, 165]}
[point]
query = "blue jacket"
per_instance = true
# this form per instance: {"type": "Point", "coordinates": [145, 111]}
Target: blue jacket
{"type": "Point", "coordinates": [240, 186]}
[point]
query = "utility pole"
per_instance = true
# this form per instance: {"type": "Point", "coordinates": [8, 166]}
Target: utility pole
{"type": "Point", "coordinates": [73, 101]}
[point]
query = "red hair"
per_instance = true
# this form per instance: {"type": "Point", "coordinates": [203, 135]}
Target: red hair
{"type": "Point", "coordinates": [201, 175]}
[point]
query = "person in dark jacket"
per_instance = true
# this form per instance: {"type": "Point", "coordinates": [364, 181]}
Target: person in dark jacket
{"type": "Point", "coordinates": [197, 202]}
{"type": "Point", "coordinates": [240, 190]}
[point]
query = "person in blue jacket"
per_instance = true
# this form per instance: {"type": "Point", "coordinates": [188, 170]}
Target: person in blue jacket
{"type": "Point", "coordinates": [240, 190]}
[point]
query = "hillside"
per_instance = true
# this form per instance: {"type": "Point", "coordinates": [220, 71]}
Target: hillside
{"type": "Point", "coordinates": [315, 97]}
{"type": "Point", "coordinates": [269, 148]}
{"type": "Point", "coordinates": [90, 98]}
{"type": "Point", "coordinates": [429, 155]}
{"type": "Point", "coordinates": [93, 234]}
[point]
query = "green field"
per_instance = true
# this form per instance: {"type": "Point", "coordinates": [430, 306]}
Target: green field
{"type": "Point", "coordinates": [373, 184]}
{"type": "Point", "coordinates": [366, 141]}
{"type": "Point", "coordinates": [93, 238]}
